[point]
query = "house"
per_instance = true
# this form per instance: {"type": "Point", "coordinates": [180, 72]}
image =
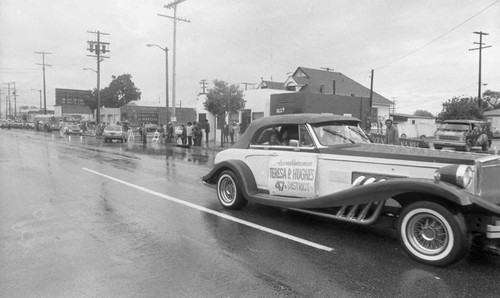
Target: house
{"type": "Point", "coordinates": [335, 83]}
{"type": "Point", "coordinates": [271, 85]}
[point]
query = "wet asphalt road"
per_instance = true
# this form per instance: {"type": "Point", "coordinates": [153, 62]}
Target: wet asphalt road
{"type": "Point", "coordinates": [83, 218]}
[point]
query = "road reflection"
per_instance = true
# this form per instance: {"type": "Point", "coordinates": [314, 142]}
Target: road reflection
{"type": "Point", "coordinates": [172, 152]}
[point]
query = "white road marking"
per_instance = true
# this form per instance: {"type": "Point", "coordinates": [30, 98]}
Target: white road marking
{"type": "Point", "coordinates": [222, 215]}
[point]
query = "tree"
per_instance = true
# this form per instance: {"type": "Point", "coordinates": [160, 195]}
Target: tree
{"type": "Point", "coordinates": [91, 101]}
{"type": "Point", "coordinates": [423, 113]}
{"type": "Point", "coordinates": [120, 92]}
{"type": "Point", "coordinates": [461, 108]}
{"type": "Point", "coordinates": [223, 99]}
{"type": "Point", "coordinates": [492, 98]}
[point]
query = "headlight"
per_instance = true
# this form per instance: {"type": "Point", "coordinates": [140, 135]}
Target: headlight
{"type": "Point", "coordinates": [460, 175]}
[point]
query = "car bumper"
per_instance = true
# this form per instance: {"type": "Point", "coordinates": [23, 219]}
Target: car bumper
{"type": "Point", "coordinates": [114, 137]}
{"type": "Point", "coordinates": [455, 144]}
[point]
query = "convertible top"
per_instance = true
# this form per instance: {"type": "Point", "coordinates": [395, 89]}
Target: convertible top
{"type": "Point", "coordinates": [297, 119]}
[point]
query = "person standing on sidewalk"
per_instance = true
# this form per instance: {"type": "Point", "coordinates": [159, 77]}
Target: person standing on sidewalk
{"type": "Point", "coordinates": [61, 128]}
{"type": "Point", "coordinates": [207, 130]}
{"type": "Point", "coordinates": [232, 131]}
{"type": "Point", "coordinates": [144, 135]}
{"type": "Point", "coordinates": [189, 133]}
{"type": "Point", "coordinates": [184, 134]}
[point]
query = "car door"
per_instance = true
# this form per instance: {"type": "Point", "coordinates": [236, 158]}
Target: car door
{"type": "Point", "coordinates": [256, 157]}
{"type": "Point", "coordinates": [292, 165]}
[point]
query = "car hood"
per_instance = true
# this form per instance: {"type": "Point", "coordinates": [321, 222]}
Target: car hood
{"type": "Point", "coordinates": [403, 153]}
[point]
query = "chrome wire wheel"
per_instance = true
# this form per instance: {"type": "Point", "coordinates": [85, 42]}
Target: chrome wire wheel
{"type": "Point", "coordinates": [428, 234]}
{"type": "Point", "coordinates": [229, 192]}
{"type": "Point", "coordinates": [433, 234]}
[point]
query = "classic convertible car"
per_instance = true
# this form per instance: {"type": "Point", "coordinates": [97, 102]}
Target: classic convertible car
{"type": "Point", "coordinates": [323, 164]}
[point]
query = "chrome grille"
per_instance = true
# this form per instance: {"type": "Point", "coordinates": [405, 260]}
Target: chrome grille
{"type": "Point", "coordinates": [489, 184]}
{"type": "Point", "coordinates": [449, 138]}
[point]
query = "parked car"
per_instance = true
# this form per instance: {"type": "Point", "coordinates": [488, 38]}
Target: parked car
{"type": "Point", "coordinates": [150, 127]}
{"type": "Point", "coordinates": [463, 134]}
{"type": "Point", "coordinates": [114, 132]}
{"type": "Point", "coordinates": [73, 129]}
{"type": "Point", "coordinates": [324, 165]}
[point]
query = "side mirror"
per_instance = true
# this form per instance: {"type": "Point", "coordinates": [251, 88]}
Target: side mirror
{"type": "Point", "coordinates": [294, 143]}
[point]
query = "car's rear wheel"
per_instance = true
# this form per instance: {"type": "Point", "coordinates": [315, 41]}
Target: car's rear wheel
{"type": "Point", "coordinates": [229, 192]}
{"type": "Point", "coordinates": [468, 146]}
{"type": "Point", "coordinates": [432, 234]}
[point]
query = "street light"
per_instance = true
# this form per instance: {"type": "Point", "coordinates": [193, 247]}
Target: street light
{"type": "Point", "coordinates": [165, 49]}
{"type": "Point", "coordinates": [86, 68]}
{"type": "Point", "coordinates": [40, 91]}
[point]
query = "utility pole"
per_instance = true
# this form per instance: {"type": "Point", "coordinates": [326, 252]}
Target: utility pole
{"type": "Point", "coordinates": [0, 103]}
{"type": "Point", "coordinates": [98, 47]}
{"type": "Point", "coordinates": [7, 103]}
{"type": "Point", "coordinates": [203, 86]}
{"type": "Point", "coordinates": [393, 107]}
{"type": "Point", "coordinates": [246, 84]}
{"type": "Point", "coordinates": [480, 43]}
{"type": "Point", "coordinates": [174, 54]}
{"type": "Point", "coordinates": [15, 100]}
{"type": "Point", "coordinates": [370, 108]}
{"type": "Point", "coordinates": [44, 92]}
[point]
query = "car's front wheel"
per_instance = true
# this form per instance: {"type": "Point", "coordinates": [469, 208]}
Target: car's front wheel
{"type": "Point", "coordinates": [229, 192]}
{"type": "Point", "coordinates": [432, 234]}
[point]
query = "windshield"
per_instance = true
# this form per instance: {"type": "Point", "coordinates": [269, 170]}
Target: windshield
{"type": "Point", "coordinates": [339, 133]}
{"type": "Point", "coordinates": [113, 128]}
{"type": "Point", "coordinates": [454, 127]}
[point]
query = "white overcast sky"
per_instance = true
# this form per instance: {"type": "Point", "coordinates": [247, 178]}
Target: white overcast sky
{"type": "Point", "coordinates": [244, 41]}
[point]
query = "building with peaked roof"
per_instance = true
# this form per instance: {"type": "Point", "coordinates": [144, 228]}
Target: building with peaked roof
{"type": "Point", "coordinates": [271, 85]}
{"type": "Point", "coordinates": [330, 82]}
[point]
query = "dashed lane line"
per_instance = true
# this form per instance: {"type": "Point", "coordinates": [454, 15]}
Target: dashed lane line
{"type": "Point", "coordinates": [222, 215]}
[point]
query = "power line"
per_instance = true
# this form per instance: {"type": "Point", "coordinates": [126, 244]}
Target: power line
{"type": "Point", "coordinates": [439, 37]}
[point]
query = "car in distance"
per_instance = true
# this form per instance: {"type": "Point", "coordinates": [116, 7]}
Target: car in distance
{"type": "Point", "coordinates": [73, 129]}
{"type": "Point", "coordinates": [324, 165]}
{"type": "Point", "coordinates": [464, 135]}
{"type": "Point", "coordinates": [114, 132]}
